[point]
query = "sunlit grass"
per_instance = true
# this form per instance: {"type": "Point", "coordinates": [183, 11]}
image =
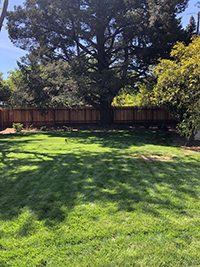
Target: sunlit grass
{"type": "Point", "coordinates": [98, 199]}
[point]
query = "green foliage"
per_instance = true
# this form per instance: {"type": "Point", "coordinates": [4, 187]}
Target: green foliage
{"type": "Point", "coordinates": [126, 97]}
{"type": "Point", "coordinates": [43, 128]}
{"type": "Point", "coordinates": [125, 100]}
{"type": "Point", "coordinates": [144, 95]}
{"type": "Point", "coordinates": [5, 91]}
{"type": "Point", "coordinates": [100, 199]}
{"type": "Point", "coordinates": [67, 128]}
{"type": "Point", "coordinates": [178, 86]}
{"type": "Point", "coordinates": [18, 127]}
{"type": "Point", "coordinates": [19, 89]}
{"type": "Point", "coordinates": [191, 27]}
{"type": "Point", "coordinates": [41, 84]}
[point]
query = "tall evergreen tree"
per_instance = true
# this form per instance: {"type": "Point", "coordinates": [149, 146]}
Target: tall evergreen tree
{"type": "Point", "coordinates": [107, 42]}
{"type": "Point", "coordinates": [191, 28]}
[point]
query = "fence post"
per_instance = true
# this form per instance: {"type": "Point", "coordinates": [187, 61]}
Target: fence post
{"type": "Point", "coordinates": [0, 119]}
{"type": "Point", "coordinates": [8, 117]}
{"type": "Point", "coordinates": [85, 112]}
{"type": "Point", "coordinates": [31, 116]}
{"type": "Point", "coordinates": [69, 116]}
{"type": "Point", "coordinates": [54, 117]}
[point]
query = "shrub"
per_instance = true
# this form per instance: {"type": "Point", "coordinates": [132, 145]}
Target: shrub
{"type": "Point", "coordinates": [43, 128]}
{"type": "Point", "coordinates": [67, 128]}
{"type": "Point", "coordinates": [18, 127]}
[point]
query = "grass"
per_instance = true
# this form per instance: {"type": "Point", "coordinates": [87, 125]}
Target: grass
{"type": "Point", "coordinates": [126, 198]}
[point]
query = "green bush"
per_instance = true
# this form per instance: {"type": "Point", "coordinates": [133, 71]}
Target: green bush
{"type": "Point", "coordinates": [18, 127]}
{"type": "Point", "coordinates": [67, 128]}
{"type": "Point", "coordinates": [43, 128]}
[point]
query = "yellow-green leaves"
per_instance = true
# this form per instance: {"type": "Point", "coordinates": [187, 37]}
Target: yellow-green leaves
{"type": "Point", "coordinates": [178, 85]}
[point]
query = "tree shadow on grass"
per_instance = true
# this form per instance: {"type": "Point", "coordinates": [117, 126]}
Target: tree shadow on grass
{"type": "Point", "coordinates": [52, 185]}
{"type": "Point", "coordinates": [118, 139]}
{"type": "Point", "coordinates": [114, 139]}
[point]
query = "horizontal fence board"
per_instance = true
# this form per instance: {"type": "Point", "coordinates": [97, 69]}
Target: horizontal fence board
{"type": "Point", "coordinates": [82, 115]}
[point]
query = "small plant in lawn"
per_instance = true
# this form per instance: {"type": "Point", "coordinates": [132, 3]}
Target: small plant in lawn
{"type": "Point", "coordinates": [43, 128]}
{"type": "Point", "coordinates": [18, 127]}
{"type": "Point", "coordinates": [67, 128]}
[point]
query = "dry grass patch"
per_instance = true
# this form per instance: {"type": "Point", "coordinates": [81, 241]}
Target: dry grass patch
{"type": "Point", "coordinates": [151, 157]}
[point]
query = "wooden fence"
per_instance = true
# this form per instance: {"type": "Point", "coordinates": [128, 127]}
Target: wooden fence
{"type": "Point", "coordinates": [85, 115]}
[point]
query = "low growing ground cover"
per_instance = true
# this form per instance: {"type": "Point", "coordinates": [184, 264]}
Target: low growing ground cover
{"type": "Point", "coordinates": [126, 198]}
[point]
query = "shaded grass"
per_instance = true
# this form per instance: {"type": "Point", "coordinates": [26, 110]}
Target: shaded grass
{"type": "Point", "coordinates": [127, 198]}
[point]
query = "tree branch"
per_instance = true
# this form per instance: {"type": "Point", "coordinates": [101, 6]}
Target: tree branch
{"type": "Point", "coordinates": [3, 14]}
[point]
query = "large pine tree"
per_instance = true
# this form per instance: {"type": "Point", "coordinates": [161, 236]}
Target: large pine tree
{"type": "Point", "coordinates": [106, 42]}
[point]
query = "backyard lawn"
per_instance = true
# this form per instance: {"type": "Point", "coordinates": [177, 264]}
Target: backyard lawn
{"type": "Point", "coordinates": [123, 198]}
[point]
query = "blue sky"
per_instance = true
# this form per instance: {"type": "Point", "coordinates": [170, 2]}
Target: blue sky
{"type": "Point", "coordinates": [9, 54]}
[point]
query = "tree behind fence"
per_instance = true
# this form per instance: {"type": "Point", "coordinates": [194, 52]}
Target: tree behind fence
{"type": "Point", "coordinates": [83, 115]}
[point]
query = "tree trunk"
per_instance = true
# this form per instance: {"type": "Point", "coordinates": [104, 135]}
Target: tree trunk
{"type": "Point", "coordinates": [106, 113]}
{"type": "Point", "coordinates": [3, 14]}
{"type": "Point", "coordinates": [191, 137]}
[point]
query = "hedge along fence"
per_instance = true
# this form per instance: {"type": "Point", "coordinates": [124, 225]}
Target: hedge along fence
{"type": "Point", "coordinates": [83, 115]}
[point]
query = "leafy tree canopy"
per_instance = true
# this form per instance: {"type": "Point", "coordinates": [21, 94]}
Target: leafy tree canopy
{"type": "Point", "coordinates": [106, 42]}
{"type": "Point", "coordinates": [37, 84]}
{"type": "Point", "coordinates": [5, 91]}
{"type": "Point", "coordinates": [178, 86]}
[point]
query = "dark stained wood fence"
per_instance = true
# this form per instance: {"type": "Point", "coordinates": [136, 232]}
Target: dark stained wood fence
{"type": "Point", "coordinates": [83, 115]}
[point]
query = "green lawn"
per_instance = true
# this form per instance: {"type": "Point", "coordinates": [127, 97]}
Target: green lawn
{"type": "Point", "coordinates": [98, 199]}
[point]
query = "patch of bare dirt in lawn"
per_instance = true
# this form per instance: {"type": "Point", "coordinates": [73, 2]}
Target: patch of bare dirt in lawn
{"type": "Point", "coordinates": [192, 148]}
{"type": "Point", "coordinates": [151, 157]}
{"type": "Point", "coordinates": [11, 131]}
{"type": "Point", "coordinates": [180, 141]}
